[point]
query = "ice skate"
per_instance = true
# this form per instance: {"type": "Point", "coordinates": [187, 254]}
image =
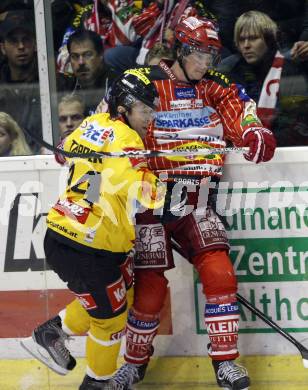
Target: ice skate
{"type": "Point", "coordinates": [231, 376]}
{"type": "Point", "coordinates": [47, 344]}
{"type": "Point", "coordinates": [92, 384]}
{"type": "Point", "coordinates": [129, 374]}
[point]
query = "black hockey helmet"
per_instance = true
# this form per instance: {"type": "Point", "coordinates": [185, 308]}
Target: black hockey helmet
{"type": "Point", "coordinates": [132, 85]}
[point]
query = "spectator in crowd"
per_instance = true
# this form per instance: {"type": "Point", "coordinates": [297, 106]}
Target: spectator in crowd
{"type": "Point", "coordinates": [91, 232]}
{"type": "Point", "coordinates": [13, 5]}
{"type": "Point", "coordinates": [110, 19]}
{"type": "Point", "coordinates": [291, 17]}
{"type": "Point", "coordinates": [19, 86]}
{"type": "Point", "coordinates": [277, 84]}
{"type": "Point", "coordinates": [71, 112]}
{"type": "Point", "coordinates": [12, 139]}
{"type": "Point", "coordinates": [148, 26]}
{"type": "Point", "coordinates": [66, 15]}
{"type": "Point", "coordinates": [225, 12]}
{"type": "Point", "coordinates": [156, 23]}
{"type": "Point", "coordinates": [157, 53]}
{"type": "Point", "coordinates": [91, 77]}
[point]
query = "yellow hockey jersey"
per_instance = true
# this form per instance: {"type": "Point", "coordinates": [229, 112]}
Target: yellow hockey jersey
{"type": "Point", "coordinates": [97, 208]}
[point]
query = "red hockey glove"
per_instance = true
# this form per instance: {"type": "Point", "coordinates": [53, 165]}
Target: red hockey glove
{"type": "Point", "coordinates": [60, 158]}
{"type": "Point", "coordinates": [261, 143]}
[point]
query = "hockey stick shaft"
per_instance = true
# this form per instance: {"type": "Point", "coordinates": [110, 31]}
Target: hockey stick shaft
{"type": "Point", "coordinates": [302, 349]}
{"type": "Point", "coordinates": [159, 153]}
{"type": "Point", "coordinates": [139, 153]}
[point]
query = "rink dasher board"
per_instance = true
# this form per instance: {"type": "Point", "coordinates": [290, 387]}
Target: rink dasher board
{"type": "Point", "coordinates": [31, 185]}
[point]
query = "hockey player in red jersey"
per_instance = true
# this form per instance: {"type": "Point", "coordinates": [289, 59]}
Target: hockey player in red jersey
{"type": "Point", "coordinates": [199, 108]}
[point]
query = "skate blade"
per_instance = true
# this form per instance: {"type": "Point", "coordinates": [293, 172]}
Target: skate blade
{"type": "Point", "coordinates": [42, 355]}
{"type": "Point", "coordinates": [228, 388]}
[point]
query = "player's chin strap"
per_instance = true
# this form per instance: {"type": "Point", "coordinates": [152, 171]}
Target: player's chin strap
{"type": "Point", "coordinates": [139, 153]}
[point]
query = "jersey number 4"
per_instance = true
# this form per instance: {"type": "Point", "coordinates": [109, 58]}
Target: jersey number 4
{"type": "Point", "coordinates": [91, 180]}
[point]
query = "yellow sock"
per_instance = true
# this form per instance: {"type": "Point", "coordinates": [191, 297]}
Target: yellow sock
{"type": "Point", "coordinates": [75, 319]}
{"type": "Point", "coordinates": [103, 345]}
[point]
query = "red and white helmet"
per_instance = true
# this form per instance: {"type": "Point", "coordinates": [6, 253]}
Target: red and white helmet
{"type": "Point", "coordinates": [198, 35]}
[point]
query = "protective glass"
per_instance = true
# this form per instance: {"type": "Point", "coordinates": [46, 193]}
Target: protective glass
{"type": "Point", "coordinates": [88, 55]}
{"type": "Point", "coordinates": [74, 117]}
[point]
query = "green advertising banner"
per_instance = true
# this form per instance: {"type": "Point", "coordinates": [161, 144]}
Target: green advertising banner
{"type": "Point", "coordinates": [268, 232]}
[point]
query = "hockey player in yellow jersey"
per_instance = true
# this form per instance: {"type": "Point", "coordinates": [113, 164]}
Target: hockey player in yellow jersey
{"type": "Point", "coordinates": [96, 208]}
{"type": "Point", "coordinates": [90, 232]}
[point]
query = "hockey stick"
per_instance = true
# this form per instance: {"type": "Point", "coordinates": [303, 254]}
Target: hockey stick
{"type": "Point", "coordinates": [303, 350]}
{"type": "Point", "coordinates": [138, 153]}
{"type": "Point", "coordinates": [166, 153]}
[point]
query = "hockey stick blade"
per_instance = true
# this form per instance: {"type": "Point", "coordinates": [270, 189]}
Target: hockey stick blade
{"type": "Point", "coordinates": [303, 350]}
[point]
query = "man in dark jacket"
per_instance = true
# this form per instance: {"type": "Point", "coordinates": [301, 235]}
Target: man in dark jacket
{"type": "Point", "coordinates": [90, 76]}
{"type": "Point", "coordinates": [291, 17]}
{"type": "Point", "coordinates": [19, 92]}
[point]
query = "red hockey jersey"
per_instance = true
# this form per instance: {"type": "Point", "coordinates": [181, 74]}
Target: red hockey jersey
{"type": "Point", "coordinates": [194, 116]}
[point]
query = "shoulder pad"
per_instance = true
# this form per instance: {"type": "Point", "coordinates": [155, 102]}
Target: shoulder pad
{"type": "Point", "coordinates": [154, 72]}
{"type": "Point", "coordinates": [157, 73]}
{"type": "Point", "coordinates": [218, 77]}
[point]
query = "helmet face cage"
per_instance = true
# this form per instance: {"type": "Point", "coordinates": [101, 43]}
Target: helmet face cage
{"type": "Point", "coordinates": [186, 50]}
{"type": "Point", "coordinates": [127, 100]}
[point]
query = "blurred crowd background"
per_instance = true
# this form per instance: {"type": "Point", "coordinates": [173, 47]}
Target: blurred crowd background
{"type": "Point", "coordinates": [265, 49]}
